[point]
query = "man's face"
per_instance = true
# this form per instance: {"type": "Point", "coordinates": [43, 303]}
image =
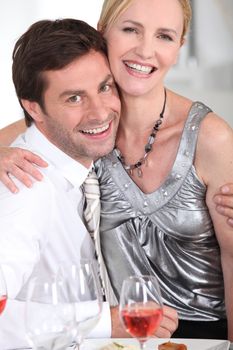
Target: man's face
{"type": "Point", "coordinates": [81, 108]}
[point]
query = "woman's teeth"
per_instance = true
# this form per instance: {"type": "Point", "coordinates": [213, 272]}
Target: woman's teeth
{"type": "Point", "coordinates": [96, 130]}
{"type": "Point", "coordinates": [139, 68]}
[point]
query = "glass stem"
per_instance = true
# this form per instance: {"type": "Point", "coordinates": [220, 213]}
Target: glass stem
{"type": "Point", "coordinates": [142, 345]}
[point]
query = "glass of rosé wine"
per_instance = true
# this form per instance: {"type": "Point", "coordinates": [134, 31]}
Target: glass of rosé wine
{"type": "Point", "coordinates": [141, 308]}
{"type": "Point", "coordinates": [3, 292]}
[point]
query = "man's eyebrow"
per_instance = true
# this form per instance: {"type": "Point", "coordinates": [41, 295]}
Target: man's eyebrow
{"type": "Point", "coordinates": [71, 92]}
{"type": "Point", "coordinates": [108, 78]}
{"type": "Point", "coordinates": [80, 92]}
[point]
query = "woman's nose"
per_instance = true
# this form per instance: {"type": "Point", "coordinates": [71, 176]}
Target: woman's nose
{"type": "Point", "coordinates": [145, 48]}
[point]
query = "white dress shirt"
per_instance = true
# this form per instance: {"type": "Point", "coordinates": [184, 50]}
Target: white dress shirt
{"type": "Point", "coordinates": [42, 227]}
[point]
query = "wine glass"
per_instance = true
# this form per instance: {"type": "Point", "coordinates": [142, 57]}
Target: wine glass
{"type": "Point", "coordinates": [85, 288]}
{"type": "Point", "coordinates": [141, 308]}
{"type": "Point", "coordinates": [3, 291]}
{"type": "Point", "coordinates": [50, 313]}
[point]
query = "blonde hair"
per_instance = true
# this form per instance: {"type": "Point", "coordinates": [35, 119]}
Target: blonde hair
{"type": "Point", "coordinates": [112, 9]}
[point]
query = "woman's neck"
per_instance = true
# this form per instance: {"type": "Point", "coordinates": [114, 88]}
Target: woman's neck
{"type": "Point", "coordinates": [139, 113]}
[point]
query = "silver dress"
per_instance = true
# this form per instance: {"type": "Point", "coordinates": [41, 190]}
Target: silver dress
{"type": "Point", "coordinates": [168, 233]}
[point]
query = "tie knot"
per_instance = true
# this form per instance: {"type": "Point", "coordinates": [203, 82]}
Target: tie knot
{"type": "Point", "coordinates": [91, 176]}
{"type": "Point", "coordinates": [91, 185]}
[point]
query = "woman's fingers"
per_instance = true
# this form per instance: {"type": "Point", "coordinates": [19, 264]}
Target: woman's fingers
{"type": "Point", "coordinates": [34, 158]}
{"type": "Point", "coordinates": [6, 180]}
{"type": "Point", "coordinates": [27, 168]}
{"type": "Point", "coordinates": [226, 211]}
{"type": "Point", "coordinates": [224, 201]}
{"type": "Point", "coordinates": [21, 164]}
{"type": "Point", "coordinates": [169, 323]}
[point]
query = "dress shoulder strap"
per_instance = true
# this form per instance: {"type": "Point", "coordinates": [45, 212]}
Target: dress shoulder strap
{"type": "Point", "coordinates": [188, 142]}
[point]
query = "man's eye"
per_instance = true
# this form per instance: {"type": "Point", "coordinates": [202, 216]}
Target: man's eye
{"type": "Point", "coordinates": [74, 99]}
{"type": "Point", "coordinates": [105, 88]}
{"type": "Point", "coordinates": [108, 87]}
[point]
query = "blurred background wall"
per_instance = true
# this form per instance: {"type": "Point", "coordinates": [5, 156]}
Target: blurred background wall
{"type": "Point", "coordinates": [205, 68]}
{"type": "Point", "coordinates": [204, 71]}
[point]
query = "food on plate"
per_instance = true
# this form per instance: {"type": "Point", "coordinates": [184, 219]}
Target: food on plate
{"type": "Point", "coordinates": [117, 346]}
{"type": "Point", "coordinates": [172, 346]}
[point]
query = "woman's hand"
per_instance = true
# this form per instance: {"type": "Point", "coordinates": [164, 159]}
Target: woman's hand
{"type": "Point", "coordinates": [21, 164]}
{"type": "Point", "coordinates": [224, 202]}
{"type": "Point", "coordinates": [169, 323]}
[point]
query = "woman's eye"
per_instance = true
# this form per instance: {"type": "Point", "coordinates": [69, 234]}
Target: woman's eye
{"type": "Point", "coordinates": [74, 99]}
{"type": "Point", "coordinates": [165, 37]}
{"type": "Point", "coordinates": [130, 30]}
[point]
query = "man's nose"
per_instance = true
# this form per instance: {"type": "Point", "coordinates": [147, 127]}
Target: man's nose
{"type": "Point", "coordinates": [97, 109]}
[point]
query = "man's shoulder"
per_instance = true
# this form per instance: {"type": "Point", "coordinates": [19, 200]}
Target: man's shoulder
{"type": "Point", "coordinates": [27, 141]}
{"type": "Point", "coordinates": [27, 199]}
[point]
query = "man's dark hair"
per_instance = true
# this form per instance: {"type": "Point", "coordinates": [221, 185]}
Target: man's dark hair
{"type": "Point", "coordinates": [49, 45]}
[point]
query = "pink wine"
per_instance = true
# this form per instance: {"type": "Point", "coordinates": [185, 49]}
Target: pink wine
{"type": "Point", "coordinates": [3, 299]}
{"type": "Point", "coordinates": [143, 322]}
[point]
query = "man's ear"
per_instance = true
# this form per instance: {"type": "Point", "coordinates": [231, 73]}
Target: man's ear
{"type": "Point", "coordinates": [33, 109]}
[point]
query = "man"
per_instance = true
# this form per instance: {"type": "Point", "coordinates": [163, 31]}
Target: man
{"type": "Point", "coordinates": [71, 105]}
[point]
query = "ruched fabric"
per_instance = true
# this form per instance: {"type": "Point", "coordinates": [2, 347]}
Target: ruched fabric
{"type": "Point", "coordinates": [168, 233]}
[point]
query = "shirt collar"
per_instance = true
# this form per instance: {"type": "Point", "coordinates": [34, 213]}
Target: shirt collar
{"type": "Point", "coordinates": [71, 169]}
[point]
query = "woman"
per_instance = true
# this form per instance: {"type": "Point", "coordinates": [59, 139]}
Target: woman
{"type": "Point", "coordinates": [157, 185]}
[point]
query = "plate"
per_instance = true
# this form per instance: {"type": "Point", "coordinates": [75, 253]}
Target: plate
{"type": "Point", "coordinates": [152, 344]}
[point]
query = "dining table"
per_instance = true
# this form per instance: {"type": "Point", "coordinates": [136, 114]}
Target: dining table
{"type": "Point", "coordinates": [152, 344]}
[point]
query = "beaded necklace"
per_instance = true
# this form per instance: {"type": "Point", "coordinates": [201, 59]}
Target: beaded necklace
{"type": "Point", "coordinates": [148, 147]}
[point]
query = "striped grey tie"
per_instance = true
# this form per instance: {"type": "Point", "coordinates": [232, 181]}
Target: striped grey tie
{"type": "Point", "coordinates": [92, 210]}
{"type": "Point", "coordinates": [91, 215]}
